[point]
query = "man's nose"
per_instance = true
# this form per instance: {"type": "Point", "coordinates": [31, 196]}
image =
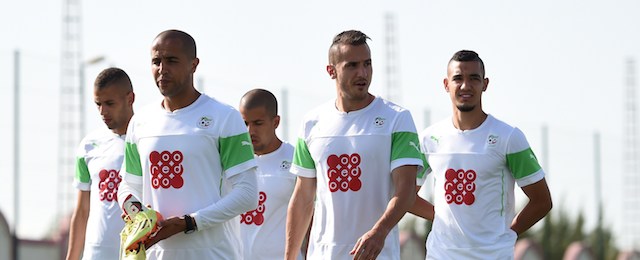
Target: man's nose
{"type": "Point", "coordinates": [251, 129]}
{"type": "Point", "coordinates": [465, 84]}
{"type": "Point", "coordinates": [161, 68]}
{"type": "Point", "coordinates": [103, 110]}
{"type": "Point", "coordinates": [362, 71]}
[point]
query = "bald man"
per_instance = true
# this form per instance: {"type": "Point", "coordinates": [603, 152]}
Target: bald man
{"type": "Point", "coordinates": [190, 158]}
{"type": "Point", "coordinates": [263, 228]}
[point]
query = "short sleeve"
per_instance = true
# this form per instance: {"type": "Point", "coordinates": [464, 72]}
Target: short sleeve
{"type": "Point", "coordinates": [236, 151]}
{"type": "Point", "coordinates": [521, 160]}
{"type": "Point", "coordinates": [405, 147]}
{"type": "Point", "coordinates": [303, 164]}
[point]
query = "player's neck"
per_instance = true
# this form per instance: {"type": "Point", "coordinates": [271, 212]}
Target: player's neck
{"type": "Point", "coordinates": [123, 130]}
{"type": "Point", "coordinates": [348, 105]}
{"type": "Point", "coordinates": [468, 120]}
{"type": "Point", "coordinates": [119, 131]}
{"type": "Point", "coordinates": [272, 147]}
{"type": "Point", "coordinates": [180, 101]}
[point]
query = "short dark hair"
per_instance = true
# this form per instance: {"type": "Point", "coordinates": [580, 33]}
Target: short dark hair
{"type": "Point", "coordinates": [467, 55]}
{"type": "Point", "coordinates": [260, 98]}
{"type": "Point", "coordinates": [110, 76]}
{"type": "Point", "coordinates": [188, 43]}
{"type": "Point", "coordinates": [350, 37]}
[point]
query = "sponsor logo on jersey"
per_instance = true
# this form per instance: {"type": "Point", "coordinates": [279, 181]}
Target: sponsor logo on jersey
{"type": "Point", "coordinates": [344, 172]}
{"type": "Point", "coordinates": [205, 122]}
{"type": "Point", "coordinates": [108, 185]}
{"type": "Point", "coordinates": [255, 216]}
{"type": "Point", "coordinates": [459, 186]}
{"type": "Point", "coordinates": [379, 121]}
{"type": "Point", "coordinates": [244, 143]}
{"type": "Point", "coordinates": [166, 169]}
{"type": "Point", "coordinates": [492, 139]}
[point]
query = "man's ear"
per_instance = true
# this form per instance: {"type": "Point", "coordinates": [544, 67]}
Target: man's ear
{"type": "Point", "coordinates": [332, 71]}
{"type": "Point", "coordinates": [486, 84]}
{"type": "Point", "coordinates": [276, 121]}
{"type": "Point", "coordinates": [445, 81]}
{"type": "Point", "coordinates": [194, 65]}
{"type": "Point", "coordinates": [131, 97]}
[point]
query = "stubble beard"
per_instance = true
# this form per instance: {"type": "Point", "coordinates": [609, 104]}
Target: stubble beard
{"type": "Point", "coordinates": [258, 149]}
{"type": "Point", "coordinates": [170, 90]}
{"type": "Point", "coordinates": [465, 108]}
{"type": "Point", "coordinates": [357, 94]}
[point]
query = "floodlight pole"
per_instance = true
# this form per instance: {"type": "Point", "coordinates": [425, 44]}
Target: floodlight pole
{"type": "Point", "coordinates": [16, 152]}
{"type": "Point", "coordinates": [598, 192]}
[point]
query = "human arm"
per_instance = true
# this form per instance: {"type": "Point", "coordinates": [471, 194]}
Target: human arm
{"type": "Point", "coordinates": [242, 198]}
{"type": "Point", "coordinates": [130, 172]}
{"type": "Point", "coordinates": [299, 215]}
{"type": "Point", "coordinates": [529, 175]}
{"type": "Point", "coordinates": [130, 186]}
{"type": "Point", "coordinates": [78, 226]}
{"type": "Point", "coordinates": [538, 206]}
{"type": "Point", "coordinates": [422, 208]}
{"type": "Point", "coordinates": [371, 243]}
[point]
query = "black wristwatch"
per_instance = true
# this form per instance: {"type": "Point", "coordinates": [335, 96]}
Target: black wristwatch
{"type": "Point", "coordinates": [191, 227]}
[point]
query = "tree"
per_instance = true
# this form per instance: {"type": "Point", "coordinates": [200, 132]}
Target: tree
{"type": "Point", "coordinates": [559, 230]}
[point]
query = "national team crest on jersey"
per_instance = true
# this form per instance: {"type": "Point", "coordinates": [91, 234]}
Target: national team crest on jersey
{"type": "Point", "coordinates": [379, 121]}
{"type": "Point", "coordinates": [205, 122]}
{"type": "Point", "coordinates": [255, 216]}
{"type": "Point", "coordinates": [492, 139]}
{"type": "Point", "coordinates": [166, 169]}
{"type": "Point", "coordinates": [285, 165]}
{"type": "Point", "coordinates": [344, 172]}
{"type": "Point", "coordinates": [109, 181]}
{"type": "Point", "coordinates": [459, 186]}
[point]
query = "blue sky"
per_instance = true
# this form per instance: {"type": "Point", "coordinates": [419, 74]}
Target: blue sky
{"type": "Point", "coordinates": [554, 63]}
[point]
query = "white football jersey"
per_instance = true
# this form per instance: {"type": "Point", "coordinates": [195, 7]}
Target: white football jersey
{"type": "Point", "coordinates": [183, 160]}
{"type": "Point", "coordinates": [352, 155]}
{"type": "Point", "coordinates": [263, 229]}
{"type": "Point", "coordinates": [98, 160]}
{"type": "Point", "coordinates": [475, 172]}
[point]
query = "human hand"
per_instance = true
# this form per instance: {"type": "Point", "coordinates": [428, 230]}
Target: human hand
{"type": "Point", "coordinates": [369, 245]}
{"type": "Point", "coordinates": [166, 229]}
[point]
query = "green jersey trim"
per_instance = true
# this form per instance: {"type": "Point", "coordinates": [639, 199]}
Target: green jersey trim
{"type": "Point", "coordinates": [424, 169]}
{"type": "Point", "coordinates": [405, 145]}
{"type": "Point", "coordinates": [235, 150]}
{"type": "Point", "coordinates": [523, 163]}
{"type": "Point", "coordinates": [82, 170]}
{"type": "Point", "coordinates": [132, 159]}
{"type": "Point", "coordinates": [301, 156]}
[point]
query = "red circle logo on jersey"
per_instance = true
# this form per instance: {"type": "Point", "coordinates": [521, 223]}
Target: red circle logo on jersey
{"type": "Point", "coordinates": [108, 185]}
{"type": "Point", "coordinates": [459, 186]}
{"type": "Point", "coordinates": [344, 172]}
{"type": "Point", "coordinates": [166, 169]}
{"type": "Point", "coordinates": [255, 216]}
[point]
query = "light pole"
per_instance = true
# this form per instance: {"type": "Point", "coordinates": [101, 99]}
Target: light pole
{"type": "Point", "coordinates": [16, 151]}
